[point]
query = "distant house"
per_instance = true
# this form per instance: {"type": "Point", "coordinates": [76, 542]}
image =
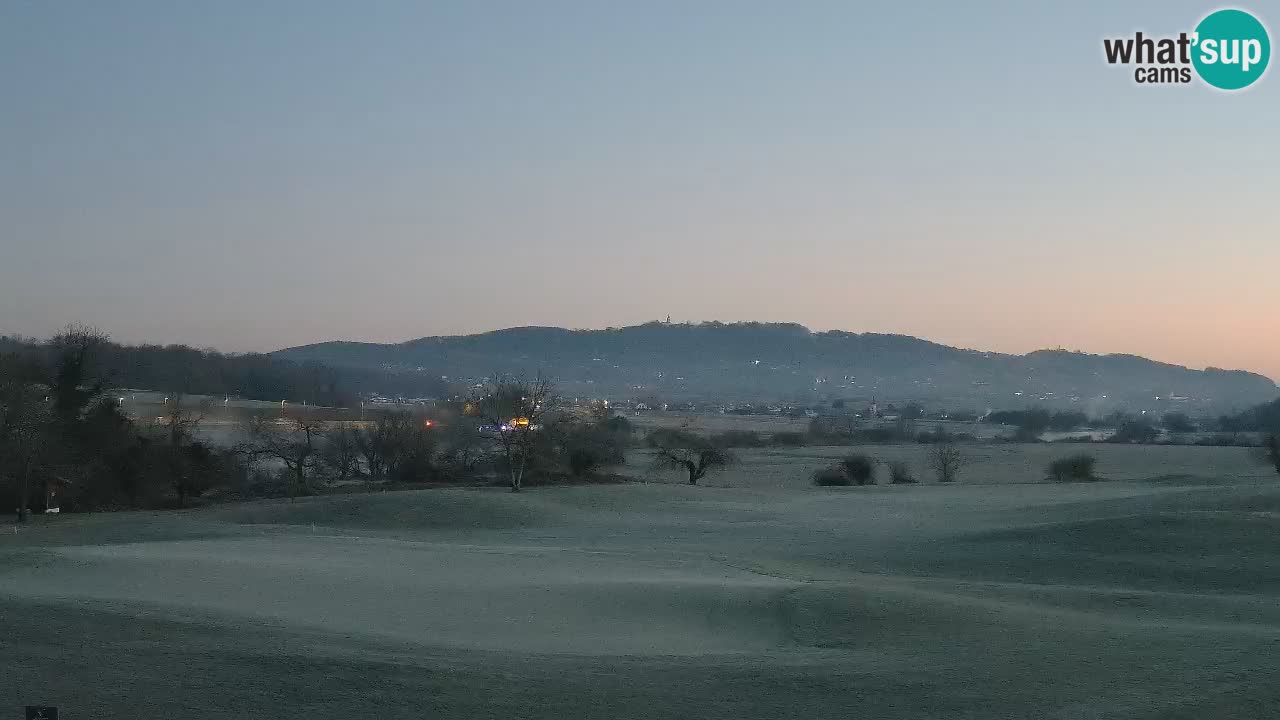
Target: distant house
{"type": "Point", "coordinates": [46, 494]}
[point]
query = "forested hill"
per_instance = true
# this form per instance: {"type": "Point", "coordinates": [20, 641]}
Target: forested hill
{"type": "Point", "coordinates": [788, 363]}
{"type": "Point", "coordinates": [184, 369]}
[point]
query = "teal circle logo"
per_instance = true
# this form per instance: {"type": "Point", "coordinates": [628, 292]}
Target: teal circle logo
{"type": "Point", "coordinates": [1232, 49]}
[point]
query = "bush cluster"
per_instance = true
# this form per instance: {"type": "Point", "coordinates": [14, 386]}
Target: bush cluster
{"type": "Point", "coordinates": [1078, 467]}
{"type": "Point", "coordinates": [856, 469]}
{"type": "Point", "coordinates": [900, 473]}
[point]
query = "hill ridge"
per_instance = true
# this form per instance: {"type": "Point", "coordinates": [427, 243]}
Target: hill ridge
{"type": "Point", "coordinates": [755, 361]}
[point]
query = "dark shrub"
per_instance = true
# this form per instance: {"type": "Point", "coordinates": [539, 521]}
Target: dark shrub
{"type": "Point", "coordinates": [788, 439]}
{"type": "Point", "coordinates": [832, 430]}
{"type": "Point", "coordinates": [1073, 468]}
{"type": "Point", "coordinates": [900, 473]}
{"type": "Point", "coordinates": [619, 425]}
{"type": "Point", "coordinates": [412, 468]}
{"type": "Point", "coordinates": [1140, 432]}
{"type": "Point", "coordinates": [860, 468]}
{"type": "Point", "coordinates": [583, 462]}
{"type": "Point", "coordinates": [588, 447]}
{"type": "Point", "coordinates": [831, 477]}
{"type": "Point", "coordinates": [1178, 423]}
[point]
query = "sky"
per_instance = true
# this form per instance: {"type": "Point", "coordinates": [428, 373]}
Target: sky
{"type": "Point", "coordinates": [251, 176]}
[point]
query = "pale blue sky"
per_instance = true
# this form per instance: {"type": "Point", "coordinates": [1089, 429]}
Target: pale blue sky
{"type": "Point", "coordinates": [255, 175]}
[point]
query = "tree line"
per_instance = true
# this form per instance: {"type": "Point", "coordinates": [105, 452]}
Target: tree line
{"type": "Point", "coordinates": [253, 376]}
{"type": "Point", "coordinates": [507, 430]}
{"type": "Point", "coordinates": [1144, 427]}
{"type": "Point", "coordinates": [64, 442]}
{"type": "Point", "coordinates": [1261, 418]}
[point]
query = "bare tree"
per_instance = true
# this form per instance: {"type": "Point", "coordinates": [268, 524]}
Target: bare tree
{"type": "Point", "coordinates": [293, 442]}
{"type": "Point", "coordinates": [410, 452]}
{"type": "Point", "coordinates": [516, 409]}
{"type": "Point", "coordinates": [177, 428]}
{"type": "Point", "coordinates": [75, 384]}
{"type": "Point", "coordinates": [373, 442]}
{"type": "Point", "coordinates": [946, 459]}
{"type": "Point", "coordinates": [683, 450]}
{"type": "Point", "coordinates": [341, 451]}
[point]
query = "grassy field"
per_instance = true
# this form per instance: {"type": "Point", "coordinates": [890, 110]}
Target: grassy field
{"type": "Point", "coordinates": [767, 425]}
{"type": "Point", "coordinates": [999, 463]}
{"type": "Point", "coordinates": [1153, 595]}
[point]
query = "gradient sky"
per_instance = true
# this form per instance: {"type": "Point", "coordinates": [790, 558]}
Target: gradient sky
{"type": "Point", "coordinates": [250, 176]}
